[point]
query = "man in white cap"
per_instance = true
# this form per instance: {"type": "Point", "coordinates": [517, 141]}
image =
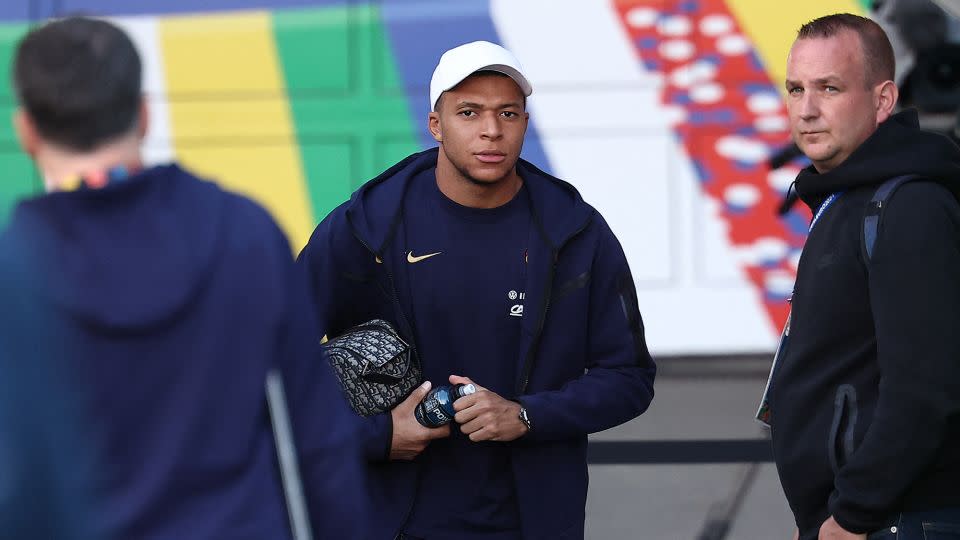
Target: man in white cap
{"type": "Point", "coordinates": [500, 275]}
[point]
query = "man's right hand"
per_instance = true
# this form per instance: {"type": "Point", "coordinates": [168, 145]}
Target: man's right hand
{"type": "Point", "coordinates": [409, 437]}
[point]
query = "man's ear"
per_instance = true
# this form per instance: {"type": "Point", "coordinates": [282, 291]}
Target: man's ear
{"type": "Point", "coordinates": [26, 132]}
{"type": "Point", "coordinates": [885, 96]}
{"type": "Point", "coordinates": [143, 119]}
{"type": "Point", "coordinates": [433, 124]}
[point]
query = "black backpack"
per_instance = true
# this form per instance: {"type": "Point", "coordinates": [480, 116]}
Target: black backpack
{"type": "Point", "coordinates": [873, 216]}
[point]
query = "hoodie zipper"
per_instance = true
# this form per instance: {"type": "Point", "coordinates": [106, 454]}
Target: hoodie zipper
{"type": "Point", "coordinates": [548, 291]}
{"type": "Point", "coordinates": [393, 295]}
{"type": "Point", "coordinates": [413, 349]}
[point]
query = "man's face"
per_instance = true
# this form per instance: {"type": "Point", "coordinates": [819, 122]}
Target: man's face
{"type": "Point", "coordinates": [480, 125]}
{"type": "Point", "coordinates": [832, 108]}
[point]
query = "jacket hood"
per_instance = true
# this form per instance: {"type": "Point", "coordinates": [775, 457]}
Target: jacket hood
{"type": "Point", "coordinates": [898, 147]}
{"type": "Point", "coordinates": [375, 210]}
{"type": "Point", "coordinates": [118, 258]}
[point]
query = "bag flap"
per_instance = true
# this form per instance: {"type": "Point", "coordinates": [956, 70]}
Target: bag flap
{"type": "Point", "coordinates": [378, 345]}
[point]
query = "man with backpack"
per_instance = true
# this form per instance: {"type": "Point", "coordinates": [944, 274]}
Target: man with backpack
{"type": "Point", "coordinates": [864, 398]}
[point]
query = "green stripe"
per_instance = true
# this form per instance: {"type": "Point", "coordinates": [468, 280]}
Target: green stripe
{"type": "Point", "coordinates": [17, 175]}
{"type": "Point", "coordinates": [866, 5]}
{"type": "Point", "coordinates": [341, 79]}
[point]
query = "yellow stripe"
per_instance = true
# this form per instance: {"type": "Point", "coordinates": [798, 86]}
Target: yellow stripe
{"type": "Point", "coordinates": [229, 113]}
{"type": "Point", "coordinates": [772, 26]}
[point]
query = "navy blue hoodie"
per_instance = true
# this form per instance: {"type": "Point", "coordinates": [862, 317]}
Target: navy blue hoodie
{"type": "Point", "coordinates": [172, 299]}
{"type": "Point", "coordinates": [583, 364]}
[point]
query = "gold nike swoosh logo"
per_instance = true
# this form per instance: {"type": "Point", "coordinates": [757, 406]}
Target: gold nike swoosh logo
{"type": "Point", "coordinates": [415, 259]}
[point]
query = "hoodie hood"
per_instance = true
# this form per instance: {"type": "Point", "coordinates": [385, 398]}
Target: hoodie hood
{"type": "Point", "coordinates": [375, 210]}
{"type": "Point", "coordinates": [118, 258]}
{"type": "Point", "coordinates": [898, 147]}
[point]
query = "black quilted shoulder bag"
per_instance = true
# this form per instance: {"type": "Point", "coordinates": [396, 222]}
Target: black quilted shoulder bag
{"type": "Point", "coordinates": [377, 370]}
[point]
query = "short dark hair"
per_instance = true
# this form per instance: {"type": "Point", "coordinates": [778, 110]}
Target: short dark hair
{"type": "Point", "coordinates": [877, 51]}
{"type": "Point", "coordinates": [79, 81]}
{"type": "Point", "coordinates": [479, 73]}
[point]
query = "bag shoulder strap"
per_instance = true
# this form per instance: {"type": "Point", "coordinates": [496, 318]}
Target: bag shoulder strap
{"type": "Point", "coordinates": [873, 216]}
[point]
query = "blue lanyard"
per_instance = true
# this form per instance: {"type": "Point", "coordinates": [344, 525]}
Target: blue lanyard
{"type": "Point", "coordinates": [763, 411]}
{"type": "Point", "coordinates": [823, 208]}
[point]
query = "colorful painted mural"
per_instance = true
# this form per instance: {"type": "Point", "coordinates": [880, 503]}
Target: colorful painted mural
{"type": "Point", "coordinates": [662, 112]}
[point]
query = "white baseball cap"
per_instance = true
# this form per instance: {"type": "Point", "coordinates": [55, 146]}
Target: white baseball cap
{"type": "Point", "coordinates": [460, 62]}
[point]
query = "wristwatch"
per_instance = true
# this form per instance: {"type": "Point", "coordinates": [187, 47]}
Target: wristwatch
{"type": "Point", "coordinates": [525, 418]}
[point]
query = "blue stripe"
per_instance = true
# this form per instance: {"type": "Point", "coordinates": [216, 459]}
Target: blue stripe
{"type": "Point", "coordinates": [14, 10]}
{"type": "Point", "coordinates": [417, 48]}
{"type": "Point", "coordinates": [24, 10]}
{"type": "Point", "coordinates": [422, 11]}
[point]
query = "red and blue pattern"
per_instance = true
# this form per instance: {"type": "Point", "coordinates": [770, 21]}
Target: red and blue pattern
{"type": "Point", "coordinates": [730, 118]}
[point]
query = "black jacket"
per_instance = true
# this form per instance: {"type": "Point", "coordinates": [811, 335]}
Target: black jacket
{"type": "Point", "coordinates": [866, 399]}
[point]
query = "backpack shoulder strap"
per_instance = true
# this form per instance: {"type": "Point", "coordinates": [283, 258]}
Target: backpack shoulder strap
{"type": "Point", "coordinates": [874, 213]}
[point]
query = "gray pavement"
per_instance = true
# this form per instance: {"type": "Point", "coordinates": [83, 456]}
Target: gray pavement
{"type": "Point", "coordinates": [695, 399]}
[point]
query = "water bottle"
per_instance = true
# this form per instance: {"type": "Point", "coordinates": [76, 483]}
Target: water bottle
{"type": "Point", "coordinates": [436, 409]}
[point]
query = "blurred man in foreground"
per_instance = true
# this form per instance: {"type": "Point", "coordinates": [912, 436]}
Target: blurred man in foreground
{"type": "Point", "coordinates": [170, 300]}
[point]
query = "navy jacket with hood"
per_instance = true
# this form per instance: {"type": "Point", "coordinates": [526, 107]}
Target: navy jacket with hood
{"type": "Point", "coordinates": [583, 366]}
{"type": "Point", "coordinates": [170, 300]}
{"type": "Point", "coordinates": [865, 401]}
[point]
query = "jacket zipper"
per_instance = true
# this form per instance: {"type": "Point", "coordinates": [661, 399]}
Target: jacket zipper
{"type": "Point", "coordinates": [393, 296]}
{"type": "Point", "coordinates": [413, 350]}
{"type": "Point", "coordinates": [535, 341]}
{"type": "Point", "coordinates": [781, 353]}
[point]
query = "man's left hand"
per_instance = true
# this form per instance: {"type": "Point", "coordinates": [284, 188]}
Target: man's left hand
{"type": "Point", "coordinates": [831, 530]}
{"type": "Point", "coordinates": [485, 416]}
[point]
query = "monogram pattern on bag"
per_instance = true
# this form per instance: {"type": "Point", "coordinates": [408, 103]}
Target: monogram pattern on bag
{"type": "Point", "coordinates": [374, 367]}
